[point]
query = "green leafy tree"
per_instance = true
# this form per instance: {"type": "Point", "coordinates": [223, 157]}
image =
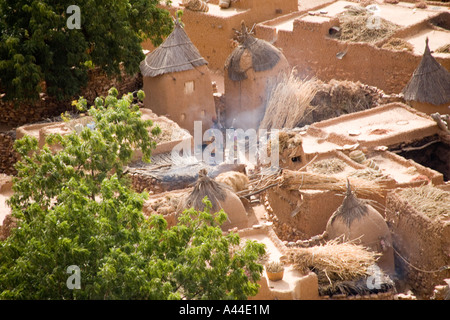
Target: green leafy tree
{"type": "Point", "coordinates": [36, 44]}
{"type": "Point", "coordinates": [75, 207]}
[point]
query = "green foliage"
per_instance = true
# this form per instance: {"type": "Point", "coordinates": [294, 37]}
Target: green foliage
{"type": "Point", "coordinates": [74, 207]}
{"type": "Point", "coordinates": [90, 156]}
{"type": "Point", "coordinates": [36, 45]}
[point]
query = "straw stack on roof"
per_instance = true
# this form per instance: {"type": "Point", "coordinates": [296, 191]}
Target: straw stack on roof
{"type": "Point", "coordinates": [341, 268]}
{"type": "Point", "coordinates": [334, 260]}
{"type": "Point", "coordinates": [176, 53]}
{"type": "Point", "coordinates": [295, 180]}
{"type": "Point", "coordinates": [264, 56]}
{"type": "Point", "coordinates": [206, 187]}
{"type": "Point", "coordinates": [360, 24]}
{"type": "Point", "coordinates": [430, 82]}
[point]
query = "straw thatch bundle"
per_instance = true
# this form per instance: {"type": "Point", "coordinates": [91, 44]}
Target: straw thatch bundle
{"type": "Point", "coordinates": [360, 24]}
{"type": "Point", "coordinates": [264, 56]}
{"type": "Point", "coordinates": [430, 82]}
{"type": "Point", "coordinates": [220, 196]}
{"type": "Point", "coordinates": [351, 209]}
{"type": "Point", "coordinates": [432, 201]}
{"type": "Point", "coordinates": [369, 174]}
{"type": "Point", "coordinates": [295, 180]}
{"type": "Point", "coordinates": [398, 44]}
{"type": "Point", "coordinates": [355, 219]}
{"type": "Point", "coordinates": [288, 102]}
{"type": "Point", "coordinates": [169, 203]}
{"type": "Point", "coordinates": [444, 49]}
{"type": "Point", "coordinates": [328, 166]}
{"type": "Point", "coordinates": [357, 156]}
{"type": "Point", "coordinates": [170, 130]}
{"type": "Point", "coordinates": [206, 187]}
{"type": "Point", "coordinates": [236, 180]}
{"type": "Point", "coordinates": [196, 5]}
{"type": "Point", "coordinates": [336, 97]}
{"type": "Point", "coordinates": [334, 261]}
{"type": "Point", "coordinates": [176, 53]}
{"type": "Point", "coordinates": [288, 140]}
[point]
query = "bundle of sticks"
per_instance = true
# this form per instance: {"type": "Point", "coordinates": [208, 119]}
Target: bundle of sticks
{"type": "Point", "coordinates": [295, 180]}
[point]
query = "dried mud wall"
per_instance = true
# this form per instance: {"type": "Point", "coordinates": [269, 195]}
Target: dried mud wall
{"type": "Point", "coordinates": [166, 96]}
{"type": "Point", "coordinates": [423, 242]}
{"type": "Point", "coordinates": [310, 49]}
{"type": "Point", "coordinates": [301, 215]}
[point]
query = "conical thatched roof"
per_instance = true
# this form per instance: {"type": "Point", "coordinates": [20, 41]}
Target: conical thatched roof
{"type": "Point", "coordinates": [206, 187]}
{"type": "Point", "coordinates": [176, 53]}
{"type": "Point", "coordinates": [430, 82]}
{"type": "Point", "coordinates": [351, 208]}
{"type": "Point", "coordinates": [264, 55]}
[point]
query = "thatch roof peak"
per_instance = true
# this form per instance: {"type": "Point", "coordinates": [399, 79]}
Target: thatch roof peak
{"type": "Point", "coordinates": [206, 187]}
{"type": "Point", "coordinates": [177, 53]}
{"type": "Point", "coordinates": [264, 55]}
{"type": "Point", "coordinates": [430, 82]}
{"type": "Point", "coordinates": [351, 208]}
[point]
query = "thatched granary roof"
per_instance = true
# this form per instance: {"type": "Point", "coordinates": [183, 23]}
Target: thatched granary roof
{"type": "Point", "coordinates": [351, 208]}
{"type": "Point", "coordinates": [430, 82]}
{"type": "Point", "coordinates": [206, 187]}
{"type": "Point", "coordinates": [264, 55]}
{"type": "Point", "coordinates": [176, 53]}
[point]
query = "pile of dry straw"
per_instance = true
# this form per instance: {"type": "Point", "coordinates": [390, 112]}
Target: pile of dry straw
{"type": "Point", "coordinates": [328, 166]}
{"type": "Point", "coordinates": [288, 101]}
{"type": "Point", "coordinates": [295, 180]}
{"type": "Point", "coordinates": [427, 199]}
{"type": "Point", "coordinates": [398, 44]}
{"type": "Point", "coordinates": [359, 24]}
{"type": "Point", "coordinates": [334, 261]}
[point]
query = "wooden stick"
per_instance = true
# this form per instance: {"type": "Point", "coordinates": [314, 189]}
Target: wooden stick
{"type": "Point", "coordinates": [416, 148]}
{"type": "Point", "coordinates": [258, 191]}
{"type": "Point", "coordinates": [312, 160]}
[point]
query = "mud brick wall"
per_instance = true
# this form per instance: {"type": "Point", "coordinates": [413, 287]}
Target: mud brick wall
{"type": "Point", "coordinates": [99, 83]}
{"type": "Point", "coordinates": [423, 242]}
{"type": "Point", "coordinates": [143, 182]}
{"type": "Point", "coordinates": [388, 70]}
{"type": "Point", "coordinates": [211, 33]}
{"type": "Point", "coordinates": [312, 212]}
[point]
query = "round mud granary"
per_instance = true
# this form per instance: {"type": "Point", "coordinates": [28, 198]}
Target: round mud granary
{"type": "Point", "coordinates": [428, 90]}
{"type": "Point", "coordinates": [248, 73]}
{"type": "Point", "coordinates": [177, 82]}
{"type": "Point", "coordinates": [221, 197]}
{"type": "Point", "coordinates": [357, 220]}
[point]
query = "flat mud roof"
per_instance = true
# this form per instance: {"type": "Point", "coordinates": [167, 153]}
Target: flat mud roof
{"type": "Point", "coordinates": [402, 14]}
{"type": "Point", "coordinates": [384, 125]}
{"type": "Point", "coordinates": [214, 9]}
